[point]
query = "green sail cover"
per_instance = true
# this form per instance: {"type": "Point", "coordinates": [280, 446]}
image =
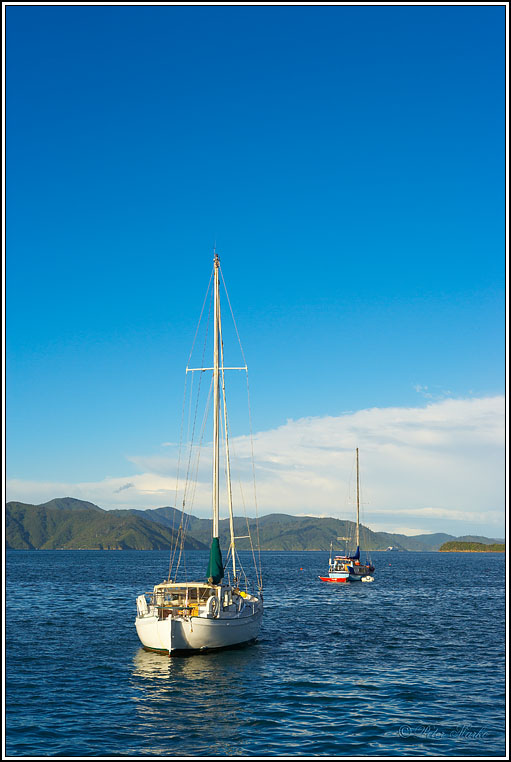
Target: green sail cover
{"type": "Point", "coordinates": [215, 566]}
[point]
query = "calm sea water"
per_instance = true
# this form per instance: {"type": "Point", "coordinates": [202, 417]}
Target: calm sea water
{"type": "Point", "coordinates": [409, 665]}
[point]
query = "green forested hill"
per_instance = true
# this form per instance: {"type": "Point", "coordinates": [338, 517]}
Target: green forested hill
{"type": "Point", "coordinates": [70, 504]}
{"type": "Point", "coordinates": [71, 523]}
{"type": "Point", "coordinates": [455, 546]}
{"type": "Point", "coordinates": [41, 527]}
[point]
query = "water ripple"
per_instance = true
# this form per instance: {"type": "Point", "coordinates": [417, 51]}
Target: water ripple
{"type": "Point", "coordinates": [395, 668]}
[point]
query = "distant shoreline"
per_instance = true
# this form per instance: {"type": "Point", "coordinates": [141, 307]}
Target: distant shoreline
{"type": "Point", "coordinates": [479, 550]}
{"type": "Point", "coordinates": [457, 546]}
{"type": "Point", "coordinates": [68, 523]}
{"type": "Point", "coordinates": [244, 550]}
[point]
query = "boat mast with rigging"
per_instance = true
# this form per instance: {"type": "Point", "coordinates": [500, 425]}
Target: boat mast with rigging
{"type": "Point", "coordinates": [209, 614]}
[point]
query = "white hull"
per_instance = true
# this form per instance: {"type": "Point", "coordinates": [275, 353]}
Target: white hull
{"type": "Point", "coordinates": [339, 576]}
{"type": "Point", "coordinates": [198, 633]}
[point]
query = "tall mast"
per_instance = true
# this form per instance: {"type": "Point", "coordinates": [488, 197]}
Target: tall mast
{"type": "Point", "coordinates": [226, 438]}
{"type": "Point", "coordinates": [216, 402]}
{"type": "Point", "coordinates": [358, 505]}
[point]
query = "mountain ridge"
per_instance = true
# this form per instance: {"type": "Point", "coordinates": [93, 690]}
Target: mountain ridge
{"type": "Point", "coordinates": [67, 523]}
{"type": "Point", "coordinates": [70, 523]}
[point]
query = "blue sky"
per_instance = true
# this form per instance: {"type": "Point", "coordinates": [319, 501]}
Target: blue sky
{"type": "Point", "coordinates": [349, 162]}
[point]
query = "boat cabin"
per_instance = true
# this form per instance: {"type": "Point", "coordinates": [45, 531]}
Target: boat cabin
{"type": "Point", "coordinates": [339, 564]}
{"type": "Point", "coordinates": [181, 599]}
{"type": "Point", "coordinates": [188, 599]}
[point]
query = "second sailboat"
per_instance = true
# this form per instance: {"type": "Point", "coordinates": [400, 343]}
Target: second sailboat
{"type": "Point", "coordinates": [347, 568]}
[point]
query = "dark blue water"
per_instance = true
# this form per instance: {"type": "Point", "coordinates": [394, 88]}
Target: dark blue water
{"type": "Point", "coordinates": [409, 665]}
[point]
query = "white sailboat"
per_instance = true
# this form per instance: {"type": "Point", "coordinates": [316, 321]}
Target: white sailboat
{"type": "Point", "coordinates": [209, 613]}
{"type": "Point", "coordinates": [347, 568]}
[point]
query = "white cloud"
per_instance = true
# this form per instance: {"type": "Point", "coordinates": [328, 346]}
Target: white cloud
{"type": "Point", "coordinates": [433, 468]}
{"type": "Point", "coordinates": [409, 531]}
{"type": "Point", "coordinates": [145, 491]}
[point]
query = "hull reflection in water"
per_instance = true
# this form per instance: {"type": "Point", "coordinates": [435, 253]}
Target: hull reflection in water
{"type": "Point", "coordinates": [194, 698]}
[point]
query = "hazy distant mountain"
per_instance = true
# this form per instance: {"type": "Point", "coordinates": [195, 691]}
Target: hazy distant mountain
{"type": "Point", "coordinates": [71, 523]}
{"type": "Point", "coordinates": [476, 538]}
